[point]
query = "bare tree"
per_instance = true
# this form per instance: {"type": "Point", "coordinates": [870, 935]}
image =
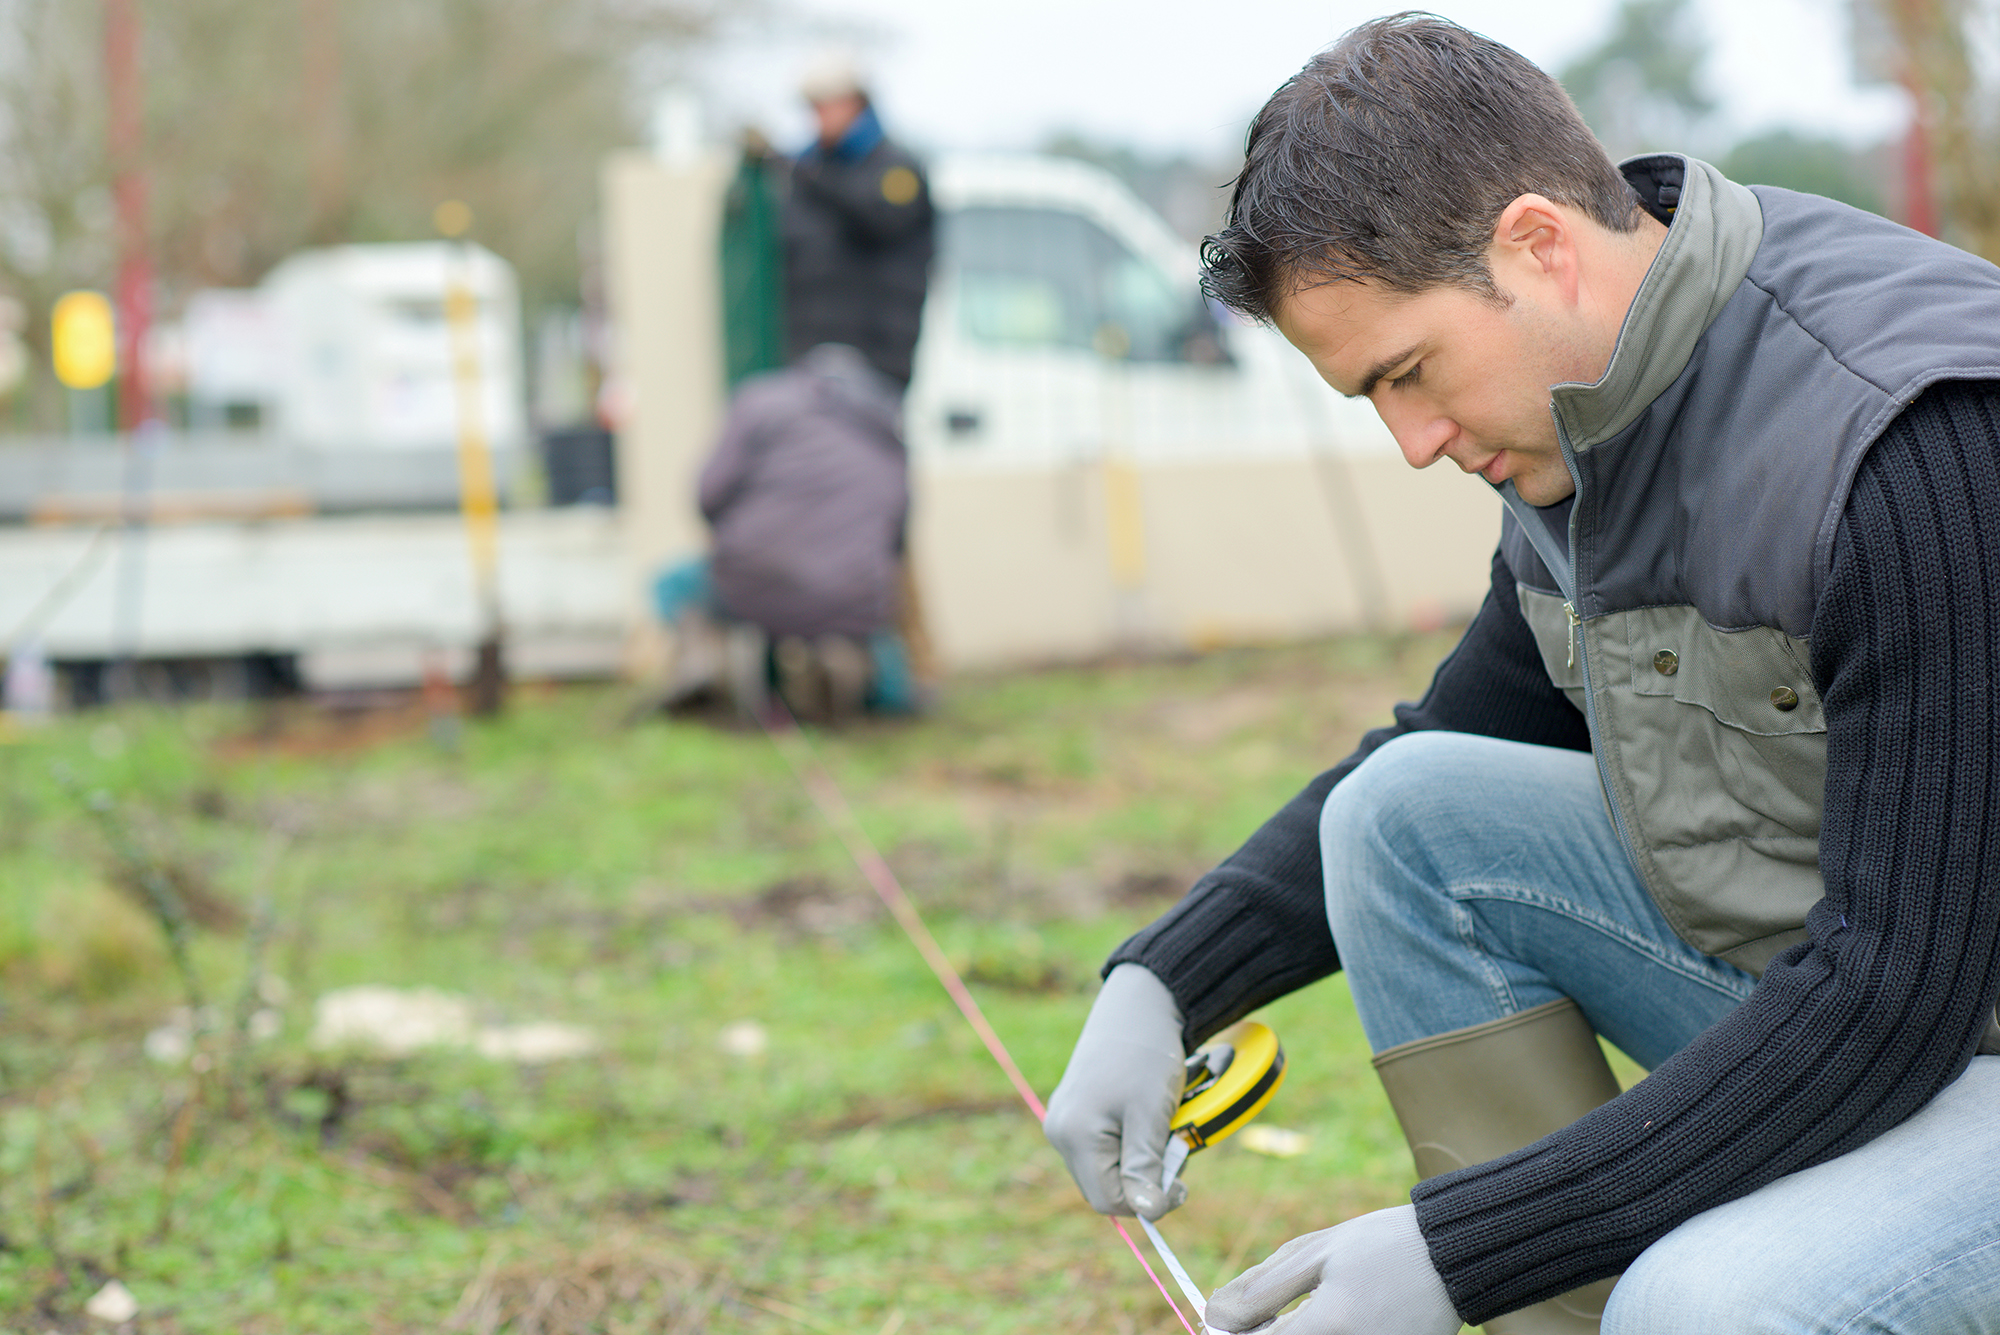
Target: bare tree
{"type": "Point", "coordinates": [1948, 51]}
{"type": "Point", "coordinates": [55, 200]}
{"type": "Point", "coordinates": [276, 124]}
{"type": "Point", "coordinates": [1642, 86]}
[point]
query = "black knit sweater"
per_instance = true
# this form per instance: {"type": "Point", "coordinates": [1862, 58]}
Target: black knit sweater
{"type": "Point", "coordinates": [1846, 1034]}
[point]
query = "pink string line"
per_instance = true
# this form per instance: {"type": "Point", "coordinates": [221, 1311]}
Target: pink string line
{"type": "Point", "coordinates": [1119, 1224]}
{"type": "Point", "coordinates": [784, 732]}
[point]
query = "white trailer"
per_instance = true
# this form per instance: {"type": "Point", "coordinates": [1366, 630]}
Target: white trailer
{"type": "Point", "coordinates": [365, 356]}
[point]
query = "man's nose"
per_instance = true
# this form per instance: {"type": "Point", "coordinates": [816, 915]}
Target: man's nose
{"type": "Point", "coordinates": [1421, 436]}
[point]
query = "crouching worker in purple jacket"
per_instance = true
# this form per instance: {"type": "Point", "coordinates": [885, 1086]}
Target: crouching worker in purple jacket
{"type": "Point", "coordinates": [806, 496]}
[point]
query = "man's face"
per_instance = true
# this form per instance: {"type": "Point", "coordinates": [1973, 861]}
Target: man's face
{"type": "Point", "coordinates": [1453, 375]}
{"type": "Point", "coordinates": [836, 115]}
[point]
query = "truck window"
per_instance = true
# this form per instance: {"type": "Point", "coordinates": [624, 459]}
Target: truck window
{"type": "Point", "coordinates": [1032, 277]}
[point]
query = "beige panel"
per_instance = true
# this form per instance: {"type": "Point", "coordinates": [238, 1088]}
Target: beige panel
{"type": "Point", "coordinates": [1434, 532]}
{"type": "Point", "coordinates": [1246, 552]}
{"type": "Point", "coordinates": [1016, 565]}
{"type": "Point", "coordinates": [662, 282]}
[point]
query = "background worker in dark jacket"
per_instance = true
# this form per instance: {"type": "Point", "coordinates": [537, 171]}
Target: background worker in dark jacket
{"type": "Point", "coordinates": [858, 231]}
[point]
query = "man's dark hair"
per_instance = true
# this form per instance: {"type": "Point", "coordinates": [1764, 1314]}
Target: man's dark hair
{"type": "Point", "coordinates": [1390, 157]}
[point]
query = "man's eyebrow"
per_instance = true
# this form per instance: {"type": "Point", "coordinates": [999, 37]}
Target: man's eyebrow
{"type": "Point", "coordinates": [1382, 368]}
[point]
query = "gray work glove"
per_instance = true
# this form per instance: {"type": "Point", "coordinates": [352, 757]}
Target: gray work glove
{"type": "Point", "coordinates": [1369, 1276]}
{"type": "Point", "coordinates": [1109, 1116]}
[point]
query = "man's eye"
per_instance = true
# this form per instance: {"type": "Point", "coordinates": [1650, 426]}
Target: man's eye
{"type": "Point", "coordinates": [1408, 378]}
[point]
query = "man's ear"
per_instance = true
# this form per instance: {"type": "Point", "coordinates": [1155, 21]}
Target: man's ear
{"type": "Point", "coordinates": [1535, 245]}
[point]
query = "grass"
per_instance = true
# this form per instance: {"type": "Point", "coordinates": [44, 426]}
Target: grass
{"type": "Point", "coordinates": [868, 1171]}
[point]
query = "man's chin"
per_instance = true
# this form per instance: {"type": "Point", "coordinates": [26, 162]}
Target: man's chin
{"type": "Point", "coordinates": [1538, 490]}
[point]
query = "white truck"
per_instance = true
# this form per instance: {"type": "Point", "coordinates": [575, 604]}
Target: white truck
{"type": "Point", "coordinates": [1101, 462]}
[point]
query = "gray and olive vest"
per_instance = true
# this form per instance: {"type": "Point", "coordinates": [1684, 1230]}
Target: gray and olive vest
{"type": "Point", "coordinates": [1774, 337]}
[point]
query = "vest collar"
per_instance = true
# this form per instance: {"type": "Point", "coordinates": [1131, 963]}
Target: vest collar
{"type": "Point", "coordinates": [1713, 229]}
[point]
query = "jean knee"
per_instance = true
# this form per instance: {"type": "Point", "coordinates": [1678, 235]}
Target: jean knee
{"type": "Point", "coordinates": [1385, 812]}
{"type": "Point", "coordinates": [1402, 773]}
{"type": "Point", "coordinates": [1649, 1300]}
{"type": "Point", "coordinates": [1685, 1282]}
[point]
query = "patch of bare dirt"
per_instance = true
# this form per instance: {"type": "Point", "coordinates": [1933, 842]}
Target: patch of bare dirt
{"type": "Point", "coordinates": [1205, 720]}
{"type": "Point", "coordinates": [804, 906]}
{"type": "Point", "coordinates": [191, 886]}
{"type": "Point", "coordinates": [616, 1284]}
{"type": "Point", "coordinates": [866, 1112]}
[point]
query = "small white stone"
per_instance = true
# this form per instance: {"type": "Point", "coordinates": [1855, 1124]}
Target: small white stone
{"type": "Point", "coordinates": [745, 1038]}
{"type": "Point", "coordinates": [113, 1303]}
{"type": "Point", "coordinates": [532, 1044]}
{"type": "Point", "coordinates": [1275, 1141]}
{"type": "Point", "coordinates": [168, 1045]}
{"type": "Point", "coordinates": [391, 1020]}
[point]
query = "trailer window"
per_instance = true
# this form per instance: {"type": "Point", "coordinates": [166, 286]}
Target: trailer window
{"type": "Point", "coordinates": [1029, 277]}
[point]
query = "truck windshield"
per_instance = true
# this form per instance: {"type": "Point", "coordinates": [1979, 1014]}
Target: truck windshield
{"type": "Point", "coordinates": [1038, 277]}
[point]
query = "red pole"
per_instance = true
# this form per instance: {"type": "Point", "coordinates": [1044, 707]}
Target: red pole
{"type": "Point", "coordinates": [324, 126]}
{"type": "Point", "coordinates": [1919, 196]}
{"type": "Point", "coordinates": [134, 291]}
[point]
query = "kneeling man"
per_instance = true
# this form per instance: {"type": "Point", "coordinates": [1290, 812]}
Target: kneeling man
{"type": "Point", "coordinates": [1713, 773]}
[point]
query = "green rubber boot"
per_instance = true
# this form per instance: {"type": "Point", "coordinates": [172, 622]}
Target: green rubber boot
{"type": "Point", "coordinates": [1476, 1094]}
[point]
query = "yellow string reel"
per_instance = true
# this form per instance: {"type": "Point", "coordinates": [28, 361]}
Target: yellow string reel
{"type": "Point", "coordinates": [1229, 1080]}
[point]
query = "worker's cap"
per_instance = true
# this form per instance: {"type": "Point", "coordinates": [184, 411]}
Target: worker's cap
{"type": "Point", "coordinates": [832, 74]}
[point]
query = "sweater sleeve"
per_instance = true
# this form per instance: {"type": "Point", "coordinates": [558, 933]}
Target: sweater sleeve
{"type": "Point", "coordinates": [1255, 928]}
{"type": "Point", "coordinates": [1852, 1031]}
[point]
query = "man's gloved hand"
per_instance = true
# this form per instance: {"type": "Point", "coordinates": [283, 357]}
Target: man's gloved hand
{"type": "Point", "coordinates": [1369, 1276]}
{"type": "Point", "coordinates": [1109, 1116]}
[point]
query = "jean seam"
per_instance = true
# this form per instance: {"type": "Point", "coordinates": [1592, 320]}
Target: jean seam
{"type": "Point", "coordinates": [1875, 1304]}
{"type": "Point", "coordinates": [1462, 924]}
{"type": "Point", "coordinates": [1468, 938]}
{"type": "Point", "coordinates": [1599, 923]}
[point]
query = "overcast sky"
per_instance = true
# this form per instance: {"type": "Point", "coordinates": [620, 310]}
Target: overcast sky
{"type": "Point", "coordinates": [1174, 75]}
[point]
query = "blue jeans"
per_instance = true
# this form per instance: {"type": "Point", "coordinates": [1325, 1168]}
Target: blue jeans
{"type": "Point", "coordinates": [1470, 879]}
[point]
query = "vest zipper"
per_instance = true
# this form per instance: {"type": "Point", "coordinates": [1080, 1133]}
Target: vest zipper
{"type": "Point", "coordinates": [1579, 647]}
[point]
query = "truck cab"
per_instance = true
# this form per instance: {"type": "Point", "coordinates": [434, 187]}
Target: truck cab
{"type": "Point", "coordinates": [1066, 322]}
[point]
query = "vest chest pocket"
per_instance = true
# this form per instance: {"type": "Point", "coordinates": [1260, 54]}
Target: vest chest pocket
{"type": "Point", "coordinates": [1758, 680]}
{"type": "Point", "coordinates": [1718, 741]}
{"type": "Point", "coordinates": [1720, 733]}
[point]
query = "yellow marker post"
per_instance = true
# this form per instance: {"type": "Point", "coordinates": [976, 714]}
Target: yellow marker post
{"type": "Point", "coordinates": [83, 345]}
{"type": "Point", "coordinates": [1124, 502]}
{"type": "Point", "coordinates": [1125, 524]}
{"type": "Point", "coordinates": [479, 499]}
{"type": "Point", "coordinates": [84, 340]}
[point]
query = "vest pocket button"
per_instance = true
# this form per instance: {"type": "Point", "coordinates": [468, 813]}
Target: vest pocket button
{"type": "Point", "coordinates": [1785, 699]}
{"type": "Point", "coordinates": [1666, 662]}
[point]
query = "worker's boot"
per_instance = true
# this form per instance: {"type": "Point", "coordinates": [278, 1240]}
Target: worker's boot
{"type": "Point", "coordinates": [847, 670]}
{"type": "Point", "coordinates": [699, 655]}
{"type": "Point", "coordinates": [746, 653]}
{"type": "Point", "coordinates": [1476, 1094]}
{"type": "Point", "coordinates": [801, 683]}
